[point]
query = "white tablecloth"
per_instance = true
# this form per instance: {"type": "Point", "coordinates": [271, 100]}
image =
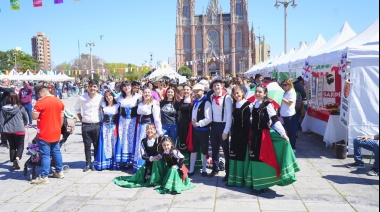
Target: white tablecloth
{"type": "Point", "coordinates": [332, 131]}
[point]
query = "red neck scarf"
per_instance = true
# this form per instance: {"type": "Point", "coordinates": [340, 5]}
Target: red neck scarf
{"type": "Point", "coordinates": [216, 98]}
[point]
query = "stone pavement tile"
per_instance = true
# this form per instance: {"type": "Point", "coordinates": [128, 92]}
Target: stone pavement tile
{"type": "Point", "coordinates": [141, 204]}
{"type": "Point", "coordinates": [18, 206]}
{"type": "Point", "coordinates": [149, 193]}
{"type": "Point", "coordinates": [281, 205]}
{"type": "Point", "coordinates": [228, 206]}
{"type": "Point", "coordinates": [82, 190]}
{"type": "Point", "coordinates": [191, 200]}
{"type": "Point", "coordinates": [356, 190]}
{"type": "Point", "coordinates": [201, 187]}
{"type": "Point", "coordinates": [120, 201]}
{"type": "Point", "coordinates": [321, 195]}
{"type": "Point", "coordinates": [121, 193]}
{"type": "Point", "coordinates": [328, 206]}
{"type": "Point", "coordinates": [365, 208]}
{"type": "Point", "coordinates": [9, 189]}
{"type": "Point", "coordinates": [68, 203]}
{"type": "Point", "coordinates": [101, 208]}
{"type": "Point", "coordinates": [36, 194]}
{"type": "Point", "coordinates": [308, 172]}
{"type": "Point", "coordinates": [371, 199]}
{"type": "Point", "coordinates": [191, 209]}
{"type": "Point", "coordinates": [234, 194]}
{"type": "Point", "coordinates": [96, 177]}
{"type": "Point", "coordinates": [311, 182]}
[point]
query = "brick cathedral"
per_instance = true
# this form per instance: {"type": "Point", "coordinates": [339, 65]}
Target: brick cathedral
{"type": "Point", "coordinates": [214, 43]}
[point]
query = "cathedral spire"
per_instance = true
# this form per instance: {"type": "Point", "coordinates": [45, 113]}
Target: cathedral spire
{"type": "Point", "coordinates": [213, 7]}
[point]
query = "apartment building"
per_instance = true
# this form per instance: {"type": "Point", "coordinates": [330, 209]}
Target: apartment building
{"type": "Point", "coordinates": [41, 51]}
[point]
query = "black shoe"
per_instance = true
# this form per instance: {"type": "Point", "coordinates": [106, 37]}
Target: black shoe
{"type": "Point", "coordinates": [4, 145]}
{"type": "Point", "coordinates": [225, 178]}
{"type": "Point", "coordinates": [204, 174]}
{"type": "Point", "coordinates": [86, 168]}
{"type": "Point", "coordinates": [189, 174]}
{"type": "Point", "coordinates": [16, 164]}
{"type": "Point", "coordinates": [213, 174]}
{"type": "Point", "coordinates": [357, 165]}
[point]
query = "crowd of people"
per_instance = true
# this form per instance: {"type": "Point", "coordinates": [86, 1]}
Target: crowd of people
{"type": "Point", "coordinates": [163, 130]}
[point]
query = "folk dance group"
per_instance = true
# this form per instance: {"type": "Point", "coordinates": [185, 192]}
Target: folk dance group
{"type": "Point", "coordinates": [157, 138]}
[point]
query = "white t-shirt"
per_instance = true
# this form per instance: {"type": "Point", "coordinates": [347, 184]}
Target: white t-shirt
{"type": "Point", "coordinates": [289, 110]}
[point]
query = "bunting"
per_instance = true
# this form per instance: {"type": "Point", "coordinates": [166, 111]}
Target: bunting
{"type": "Point", "coordinates": [37, 3]}
{"type": "Point", "coordinates": [15, 5]}
{"type": "Point", "coordinates": [58, 1]}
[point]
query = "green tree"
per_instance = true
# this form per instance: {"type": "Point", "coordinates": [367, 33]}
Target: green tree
{"type": "Point", "coordinates": [14, 58]}
{"type": "Point", "coordinates": [185, 71]}
{"type": "Point", "coordinates": [65, 66]}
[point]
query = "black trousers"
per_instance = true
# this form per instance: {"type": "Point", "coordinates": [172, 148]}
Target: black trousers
{"type": "Point", "coordinates": [16, 145]}
{"type": "Point", "coordinates": [217, 141]}
{"type": "Point", "coordinates": [90, 134]}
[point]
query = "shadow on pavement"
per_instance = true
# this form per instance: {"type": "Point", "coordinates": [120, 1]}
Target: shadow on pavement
{"type": "Point", "coordinates": [339, 179]}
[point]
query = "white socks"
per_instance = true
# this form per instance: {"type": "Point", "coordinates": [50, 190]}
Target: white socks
{"type": "Point", "coordinates": [193, 158]}
{"type": "Point", "coordinates": [204, 163]}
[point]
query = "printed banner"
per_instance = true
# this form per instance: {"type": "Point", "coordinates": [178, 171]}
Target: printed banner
{"type": "Point", "coordinates": [15, 5]}
{"type": "Point", "coordinates": [345, 106]}
{"type": "Point", "coordinates": [58, 1]}
{"type": "Point", "coordinates": [37, 3]}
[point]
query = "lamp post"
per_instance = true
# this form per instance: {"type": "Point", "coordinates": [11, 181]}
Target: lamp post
{"type": "Point", "coordinates": [286, 4]}
{"type": "Point", "coordinates": [15, 55]}
{"type": "Point", "coordinates": [91, 44]}
{"type": "Point", "coordinates": [101, 55]}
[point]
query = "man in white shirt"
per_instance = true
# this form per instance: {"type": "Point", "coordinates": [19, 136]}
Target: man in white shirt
{"type": "Point", "coordinates": [88, 110]}
{"type": "Point", "coordinates": [221, 104]}
{"type": "Point", "coordinates": [201, 118]}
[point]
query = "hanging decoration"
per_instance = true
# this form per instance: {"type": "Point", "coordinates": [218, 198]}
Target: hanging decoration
{"type": "Point", "coordinates": [58, 1]}
{"type": "Point", "coordinates": [37, 3]}
{"type": "Point", "coordinates": [15, 5]}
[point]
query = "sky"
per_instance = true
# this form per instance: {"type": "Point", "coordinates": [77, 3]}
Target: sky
{"type": "Point", "coordinates": [134, 29]}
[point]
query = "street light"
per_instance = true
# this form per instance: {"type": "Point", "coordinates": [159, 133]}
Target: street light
{"type": "Point", "coordinates": [286, 4]}
{"type": "Point", "coordinates": [15, 55]}
{"type": "Point", "coordinates": [260, 37]}
{"type": "Point", "coordinates": [91, 44]}
{"type": "Point", "coordinates": [101, 55]}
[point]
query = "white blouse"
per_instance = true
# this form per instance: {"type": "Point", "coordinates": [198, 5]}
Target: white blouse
{"type": "Point", "coordinates": [128, 102]}
{"type": "Point", "coordinates": [110, 110]}
{"type": "Point", "coordinates": [147, 109]}
{"type": "Point", "coordinates": [271, 112]}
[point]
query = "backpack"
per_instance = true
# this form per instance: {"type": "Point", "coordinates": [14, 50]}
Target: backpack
{"type": "Point", "coordinates": [298, 101]}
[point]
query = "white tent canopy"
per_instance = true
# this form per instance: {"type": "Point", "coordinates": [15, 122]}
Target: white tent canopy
{"type": "Point", "coordinates": [344, 34]}
{"type": "Point", "coordinates": [164, 71]}
{"type": "Point", "coordinates": [299, 60]}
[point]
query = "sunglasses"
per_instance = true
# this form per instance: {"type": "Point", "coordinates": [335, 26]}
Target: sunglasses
{"type": "Point", "coordinates": [284, 84]}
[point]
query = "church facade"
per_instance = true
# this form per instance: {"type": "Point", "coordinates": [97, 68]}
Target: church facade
{"type": "Point", "coordinates": [214, 43]}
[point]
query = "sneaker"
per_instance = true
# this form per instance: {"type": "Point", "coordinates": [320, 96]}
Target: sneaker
{"type": "Point", "coordinates": [373, 172]}
{"type": "Point", "coordinates": [40, 180]}
{"type": "Point", "coordinates": [16, 164]}
{"type": "Point", "coordinates": [59, 175]}
{"type": "Point", "coordinates": [4, 145]}
{"type": "Point", "coordinates": [358, 165]}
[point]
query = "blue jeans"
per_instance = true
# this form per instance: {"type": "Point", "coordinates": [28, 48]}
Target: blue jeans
{"type": "Point", "coordinates": [171, 130]}
{"type": "Point", "coordinates": [45, 150]}
{"type": "Point", "coordinates": [28, 108]}
{"type": "Point", "coordinates": [289, 123]}
{"type": "Point", "coordinates": [371, 145]}
{"type": "Point", "coordinates": [296, 120]}
{"type": "Point", "coordinates": [59, 93]}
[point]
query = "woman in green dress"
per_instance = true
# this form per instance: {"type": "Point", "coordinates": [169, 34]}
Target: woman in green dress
{"type": "Point", "coordinates": [271, 158]}
{"type": "Point", "coordinates": [153, 171]}
{"type": "Point", "coordinates": [175, 179]}
{"type": "Point", "coordinates": [239, 137]}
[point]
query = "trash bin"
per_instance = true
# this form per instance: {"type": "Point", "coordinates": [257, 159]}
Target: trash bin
{"type": "Point", "coordinates": [341, 149]}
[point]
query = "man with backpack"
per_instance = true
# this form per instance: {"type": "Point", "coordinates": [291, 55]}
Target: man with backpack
{"type": "Point", "coordinates": [301, 96]}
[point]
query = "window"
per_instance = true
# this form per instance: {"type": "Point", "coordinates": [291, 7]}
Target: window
{"type": "Point", "coordinates": [239, 8]}
{"type": "Point", "coordinates": [213, 41]}
{"type": "Point", "coordinates": [239, 39]}
{"type": "Point", "coordinates": [186, 9]}
{"type": "Point", "coordinates": [186, 41]}
{"type": "Point", "coordinates": [226, 39]}
{"type": "Point", "coordinates": [199, 40]}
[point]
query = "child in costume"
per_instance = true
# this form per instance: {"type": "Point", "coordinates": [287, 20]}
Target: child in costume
{"type": "Point", "coordinates": [152, 172]}
{"type": "Point", "coordinates": [175, 180]}
{"type": "Point", "coordinates": [272, 161]}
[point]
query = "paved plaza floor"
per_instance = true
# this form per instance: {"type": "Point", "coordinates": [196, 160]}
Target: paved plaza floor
{"type": "Point", "coordinates": [324, 184]}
